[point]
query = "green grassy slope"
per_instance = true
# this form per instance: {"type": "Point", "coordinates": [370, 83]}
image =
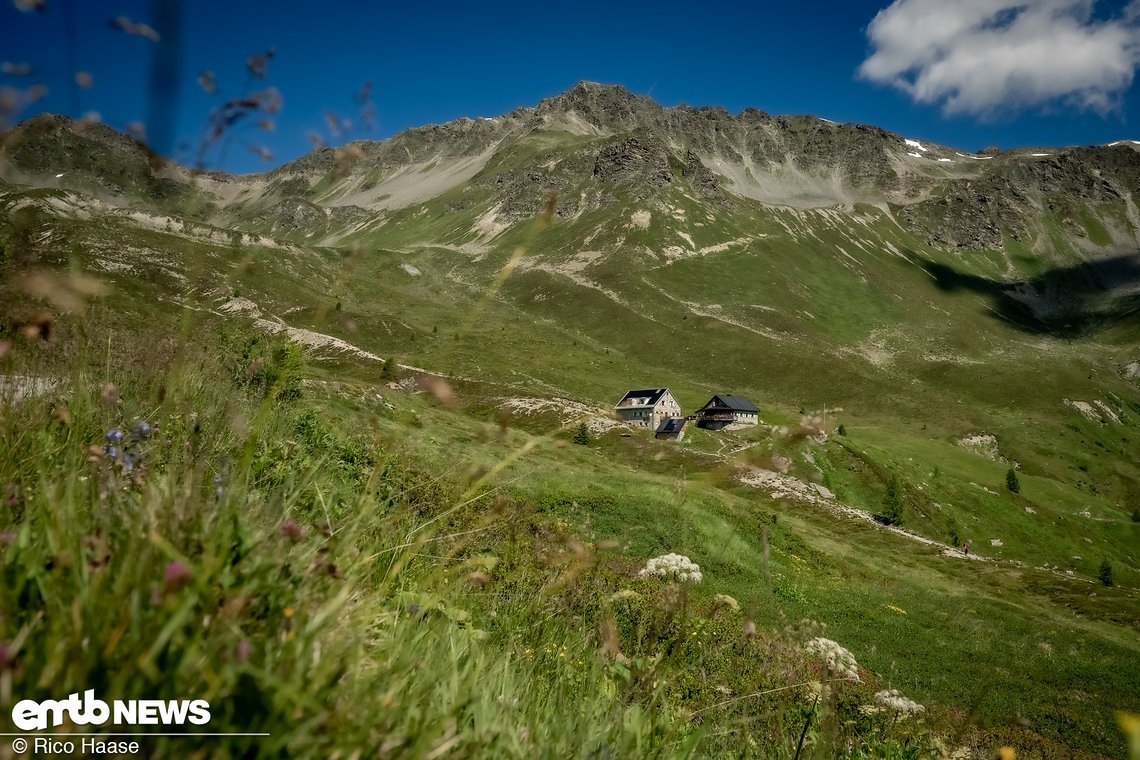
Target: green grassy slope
{"type": "Point", "coordinates": [841, 314]}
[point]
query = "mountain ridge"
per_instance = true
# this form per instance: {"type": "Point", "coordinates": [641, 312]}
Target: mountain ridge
{"type": "Point", "coordinates": [606, 108]}
{"type": "Point", "coordinates": [613, 160]}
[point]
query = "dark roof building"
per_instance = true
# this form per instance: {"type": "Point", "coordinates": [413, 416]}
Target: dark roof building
{"type": "Point", "coordinates": [736, 403]}
{"type": "Point", "coordinates": [724, 410]}
{"type": "Point", "coordinates": [647, 407]}
{"type": "Point", "coordinates": [646, 397]}
{"type": "Point", "coordinates": [672, 428]}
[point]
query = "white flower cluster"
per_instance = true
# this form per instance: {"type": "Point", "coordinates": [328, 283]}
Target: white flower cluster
{"type": "Point", "coordinates": [839, 660]}
{"type": "Point", "coordinates": [673, 566]}
{"type": "Point", "coordinates": [724, 600]}
{"type": "Point", "coordinates": [897, 702]}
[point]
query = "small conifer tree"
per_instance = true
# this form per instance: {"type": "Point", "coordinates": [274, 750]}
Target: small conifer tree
{"type": "Point", "coordinates": [1105, 573]}
{"type": "Point", "coordinates": [841, 430]}
{"type": "Point", "coordinates": [1011, 481]}
{"type": "Point", "coordinates": [892, 513]}
{"type": "Point", "coordinates": [582, 435]}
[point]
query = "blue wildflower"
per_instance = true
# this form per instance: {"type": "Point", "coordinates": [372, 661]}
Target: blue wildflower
{"type": "Point", "coordinates": [113, 452]}
{"type": "Point", "coordinates": [114, 435]}
{"type": "Point", "coordinates": [143, 430]}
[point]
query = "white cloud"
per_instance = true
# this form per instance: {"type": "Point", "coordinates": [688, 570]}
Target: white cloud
{"type": "Point", "coordinates": [986, 57]}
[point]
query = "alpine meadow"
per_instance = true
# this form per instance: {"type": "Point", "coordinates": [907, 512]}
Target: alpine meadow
{"type": "Point", "coordinates": [341, 448]}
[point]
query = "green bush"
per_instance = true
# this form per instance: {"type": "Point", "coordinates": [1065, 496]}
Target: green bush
{"type": "Point", "coordinates": [390, 370]}
{"type": "Point", "coordinates": [953, 532]}
{"type": "Point", "coordinates": [272, 366]}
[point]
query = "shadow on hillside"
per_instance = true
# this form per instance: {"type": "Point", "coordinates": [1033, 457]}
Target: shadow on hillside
{"type": "Point", "coordinates": [1066, 302]}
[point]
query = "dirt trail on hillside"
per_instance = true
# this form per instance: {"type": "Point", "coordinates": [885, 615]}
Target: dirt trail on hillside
{"type": "Point", "coordinates": [788, 487]}
{"type": "Point", "coordinates": [780, 486]}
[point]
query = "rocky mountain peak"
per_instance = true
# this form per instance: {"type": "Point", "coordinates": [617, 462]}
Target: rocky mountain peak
{"type": "Point", "coordinates": [606, 106]}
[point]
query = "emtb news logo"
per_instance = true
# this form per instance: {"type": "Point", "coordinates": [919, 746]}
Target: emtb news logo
{"type": "Point", "coordinates": [30, 715]}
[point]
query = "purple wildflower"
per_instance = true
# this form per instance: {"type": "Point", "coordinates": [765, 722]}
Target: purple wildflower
{"type": "Point", "coordinates": [142, 430]}
{"type": "Point", "coordinates": [174, 575]}
{"type": "Point", "coordinates": [114, 436]}
{"type": "Point", "coordinates": [292, 531]}
{"type": "Point", "coordinates": [241, 651]}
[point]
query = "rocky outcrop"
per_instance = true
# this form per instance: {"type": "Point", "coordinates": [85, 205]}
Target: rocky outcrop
{"type": "Point", "coordinates": [970, 214]}
{"type": "Point", "coordinates": [638, 159]}
{"type": "Point", "coordinates": [522, 194]}
{"type": "Point", "coordinates": [294, 213]}
{"type": "Point", "coordinates": [701, 178]}
{"type": "Point", "coordinates": [294, 186]}
{"type": "Point", "coordinates": [349, 215]}
{"type": "Point", "coordinates": [859, 152]}
{"type": "Point", "coordinates": [1072, 176]}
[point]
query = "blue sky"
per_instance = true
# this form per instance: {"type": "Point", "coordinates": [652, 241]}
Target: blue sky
{"type": "Point", "coordinates": [969, 73]}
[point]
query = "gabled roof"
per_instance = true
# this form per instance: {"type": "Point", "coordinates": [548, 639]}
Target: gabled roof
{"type": "Point", "coordinates": [653, 395]}
{"type": "Point", "coordinates": [672, 425]}
{"type": "Point", "coordinates": [735, 403]}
